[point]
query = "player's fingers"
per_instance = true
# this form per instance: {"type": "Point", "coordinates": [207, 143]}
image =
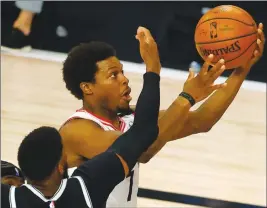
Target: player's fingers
{"type": "Point", "coordinates": [140, 35]}
{"type": "Point", "coordinates": [137, 38]}
{"type": "Point", "coordinates": [261, 35]}
{"type": "Point", "coordinates": [141, 38]}
{"type": "Point", "coordinates": [191, 74]}
{"type": "Point", "coordinates": [217, 73]}
{"type": "Point", "coordinates": [216, 68]}
{"type": "Point", "coordinates": [256, 57]}
{"type": "Point", "coordinates": [145, 41]}
{"type": "Point", "coordinates": [206, 65]}
{"type": "Point", "coordinates": [261, 40]}
{"type": "Point", "coordinates": [261, 26]}
{"type": "Point", "coordinates": [260, 46]}
{"type": "Point", "coordinates": [145, 31]}
{"type": "Point", "coordinates": [147, 35]}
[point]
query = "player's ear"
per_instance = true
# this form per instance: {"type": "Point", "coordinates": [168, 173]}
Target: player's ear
{"type": "Point", "coordinates": [86, 88]}
{"type": "Point", "coordinates": [62, 163]}
{"type": "Point", "coordinates": [61, 168]}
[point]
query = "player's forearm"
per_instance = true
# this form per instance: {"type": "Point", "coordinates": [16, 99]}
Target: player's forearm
{"type": "Point", "coordinates": [170, 124]}
{"type": "Point", "coordinates": [147, 107]}
{"type": "Point", "coordinates": [144, 130]}
{"type": "Point", "coordinates": [216, 105]}
{"type": "Point", "coordinates": [173, 119]}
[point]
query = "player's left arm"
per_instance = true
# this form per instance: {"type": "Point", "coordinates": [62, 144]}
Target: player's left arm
{"type": "Point", "coordinates": [210, 112]}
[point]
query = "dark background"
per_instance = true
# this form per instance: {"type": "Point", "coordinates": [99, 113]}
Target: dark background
{"type": "Point", "coordinates": [171, 23]}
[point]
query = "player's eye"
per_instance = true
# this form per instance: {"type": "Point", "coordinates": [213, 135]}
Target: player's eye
{"type": "Point", "coordinates": [113, 75]}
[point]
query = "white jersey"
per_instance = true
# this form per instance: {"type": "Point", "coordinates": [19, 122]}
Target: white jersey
{"type": "Point", "coordinates": [125, 193]}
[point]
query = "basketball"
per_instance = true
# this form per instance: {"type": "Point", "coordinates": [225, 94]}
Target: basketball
{"type": "Point", "coordinates": [227, 32]}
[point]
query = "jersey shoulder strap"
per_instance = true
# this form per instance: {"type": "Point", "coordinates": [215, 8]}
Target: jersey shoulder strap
{"type": "Point", "coordinates": [12, 199]}
{"type": "Point", "coordinates": [85, 191]}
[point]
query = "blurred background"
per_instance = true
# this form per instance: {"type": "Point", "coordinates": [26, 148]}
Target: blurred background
{"type": "Point", "coordinates": [58, 26]}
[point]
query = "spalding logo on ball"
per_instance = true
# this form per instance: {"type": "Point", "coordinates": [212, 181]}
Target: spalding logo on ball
{"type": "Point", "coordinates": [227, 32]}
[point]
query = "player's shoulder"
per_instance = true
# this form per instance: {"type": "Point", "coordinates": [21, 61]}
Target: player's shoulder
{"type": "Point", "coordinates": [77, 127]}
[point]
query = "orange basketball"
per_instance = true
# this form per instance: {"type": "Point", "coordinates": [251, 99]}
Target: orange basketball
{"type": "Point", "coordinates": [227, 32]}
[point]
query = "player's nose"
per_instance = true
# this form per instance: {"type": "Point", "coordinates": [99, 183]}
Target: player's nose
{"type": "Point", "coordinates": [125, 80]}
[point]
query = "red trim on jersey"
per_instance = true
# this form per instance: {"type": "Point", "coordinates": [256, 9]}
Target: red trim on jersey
{"type": "Point", "coordinates": [105, 121]}
{"type": "Point", "coordinates": [74, 117]}
{"type": "Point", "coordinates": [79, 109]}
{"type": "Point", "coordinates": [123, 124]}
{"type": "Point", "coordinates": [110, 125]}
{"type": "Point", "coordinates": [100, 118]}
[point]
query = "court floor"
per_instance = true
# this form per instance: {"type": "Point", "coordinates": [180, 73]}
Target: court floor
{"type": "Point", "coordinates": [227, 163]}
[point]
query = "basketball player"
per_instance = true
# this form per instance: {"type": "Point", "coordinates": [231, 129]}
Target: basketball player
{"type": "Point", "coordinates": [10, 174]}
{"type": "Point", "coordinates": [43, 161]}
{"type": "Point", "coordinates": [93, 74]}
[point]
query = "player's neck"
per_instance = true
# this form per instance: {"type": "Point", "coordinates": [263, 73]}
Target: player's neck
{"type": "Point", "coordinates": [48, 188]}
{"type": "Point", "coordinates": [104, 114]}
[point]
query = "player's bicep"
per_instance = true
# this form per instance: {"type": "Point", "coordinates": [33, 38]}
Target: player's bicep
{"type": "Point", "coordinates": [86, 138]}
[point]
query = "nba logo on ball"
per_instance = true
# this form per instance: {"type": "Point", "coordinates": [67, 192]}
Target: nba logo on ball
{"type": "Point", "coordinates": [213, 30]}
{"type": "Point", "coordinates": [227, 32]}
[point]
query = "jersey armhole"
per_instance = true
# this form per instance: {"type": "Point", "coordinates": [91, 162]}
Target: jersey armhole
{"type": "Point", "coordinates": [85, 191]}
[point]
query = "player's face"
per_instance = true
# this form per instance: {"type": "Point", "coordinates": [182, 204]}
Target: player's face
{"type": "Point", "coordinates": [111, 86]}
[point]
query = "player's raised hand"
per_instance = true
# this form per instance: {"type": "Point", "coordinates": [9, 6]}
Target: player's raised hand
{"type": "Point", "coordinates": [148, 50]}
{"type": "Point", "coordinates": [202, 85]}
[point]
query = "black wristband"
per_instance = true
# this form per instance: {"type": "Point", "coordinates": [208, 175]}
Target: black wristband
{"type": "Point", "coordinates": [188, 97]}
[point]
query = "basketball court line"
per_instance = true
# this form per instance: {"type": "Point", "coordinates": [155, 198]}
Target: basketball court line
{"type": "Point", "coordinates": [131, 67]}
{"type": "Point", "coordinates": [192, 200]}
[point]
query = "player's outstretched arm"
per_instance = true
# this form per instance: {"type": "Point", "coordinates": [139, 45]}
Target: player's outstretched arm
{"type": "Point", "coordinates": [196, 88]}
{"type": "Point", "coordinates": [209, 113]}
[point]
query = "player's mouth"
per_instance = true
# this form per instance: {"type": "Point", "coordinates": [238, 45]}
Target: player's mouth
{"type": "Point", "coordinates": [126, 95]}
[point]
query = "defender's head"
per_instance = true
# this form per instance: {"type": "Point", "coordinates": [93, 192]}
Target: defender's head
{"type": "Point", "coordinates": [92, 72]}
{"type": "Point", "coordinates": [41, 155]}
{"type": "Point", "coordinates": [10, 174]}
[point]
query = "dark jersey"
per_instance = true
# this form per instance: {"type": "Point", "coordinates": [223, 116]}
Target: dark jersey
{"type": "Point", "coordinates": [89, 186]}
